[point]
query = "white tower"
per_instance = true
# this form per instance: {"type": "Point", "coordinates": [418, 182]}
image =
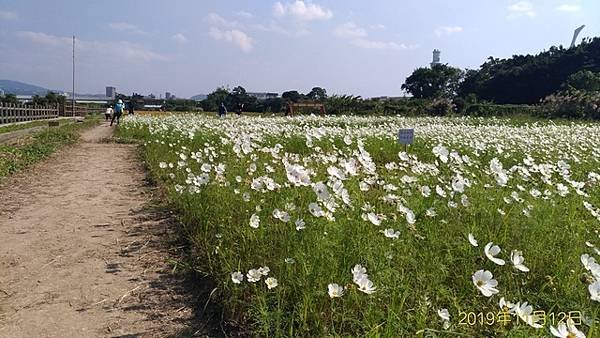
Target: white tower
{"type": "Point", "coordinates": [575, 34]}
{"type": "Point", "coordinates": [436, 57]}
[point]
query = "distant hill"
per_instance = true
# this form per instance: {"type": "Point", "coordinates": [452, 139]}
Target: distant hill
{"type": "Point", "coordinates": [198, 97]}
{"type": "Point", "coordinates": [20, 88]}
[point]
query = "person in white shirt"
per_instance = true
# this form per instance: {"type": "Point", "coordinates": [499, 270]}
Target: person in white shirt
{"type": "Point", "coordinates": [108, 113]}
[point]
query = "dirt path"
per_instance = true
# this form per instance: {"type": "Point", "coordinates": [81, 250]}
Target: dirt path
{"type": "Point", "coordinates": [80, 255]}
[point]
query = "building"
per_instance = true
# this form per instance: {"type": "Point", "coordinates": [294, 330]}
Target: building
{"type": "Point", "coordinates": [111, 92]}
{"type": "Point", "coordinates": [1, 92]}
{"type": "Point", "coordinates": [169, 96]}
{"type": "Point", "coordinates": [264, 96]}
{"type": "Point", "coordinates": [436, 58]}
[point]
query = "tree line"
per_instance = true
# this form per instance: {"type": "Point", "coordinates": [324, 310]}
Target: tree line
{"type": "Point", "coordinates": [520, 79]}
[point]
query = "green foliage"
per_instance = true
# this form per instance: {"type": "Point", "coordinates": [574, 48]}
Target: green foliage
{"type": "Point", "coordinates": [527, 79]}
{"type": "Point", "coordinates": [317, 94]}
{"type": "Point", "coordinates": [292, 95]}
{"type": "Point", "coordinates": [584, 80]}
{"type": "Point", "coordinates": [15, 157]}
{"type": "Point", "coordinates": [437, 81]}
{"type": "Point", "coordinates": [572, 104]}
{"type": "Point", "coordinates": [428, 267]}
{"type": "Point", "coordinates": [9, 99]}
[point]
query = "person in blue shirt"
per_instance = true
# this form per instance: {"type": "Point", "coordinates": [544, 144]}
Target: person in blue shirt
{"type": "Point", "coordinates": [119, 108]}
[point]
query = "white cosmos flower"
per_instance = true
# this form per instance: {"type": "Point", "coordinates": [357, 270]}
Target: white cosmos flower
{"type": "Point", "coordinates": [300, 225]}
{"type": "Point", "coordinates": [491, 251]}
{"type": "Point", "coordinates": [430, 212]}
{"type": "Point", "coordinates": [321, 190]}
{"type": "Point", "coordinates": [297, 175]}
{"type": "Point", "coordinates": [525, 312]}
{"type": "Point", "coordinates": [162, 165]}
{"type": "Point", "coordinates": [315, 210]}
{"type": "Point", "coordinates": [444, 314]}
{"type": "Point", "coordinates": [594, 290]}
{"type": "Point", "coordinates": [281, 215]}
{"type": "Point", "coordinates": [485, 283]}
{"type": "Point", "coordinates": [506, 305]}
{"type": "Point", "coordinates": [365, 285]}
{"type": "Point", "coordinates": [567, 331]}
{"type": "Point", "coordinates": [410, 217]}
{"type": "Point", "coordinates": [440, 191]}
{"type": "Point", "coordinates": [253, 275]}
{"type": "Point", "coordinates": [254, 221]}
{"type": "Point", "coordinates": [441, 152]}
{"type": "Point", "coordinates": [374, 218]}
{"type": "Point", "coordinates": [264, 270]}
{"type": "Point", "coordinates": [472, 240]}
{"type": "Point", "coordinates": [271, 283]}
{"type": "Point", "coordinates": [517, 259]}
{"type": "Point", "coordinates": [237, 277]}
{"type": "Point", "coordinates": [390, 233]}
{"type": "Point", "coordinates": [425, 191]}
{"type": "Point", "coordinates": [335, 290]}
{"type": "Point", "coordinates": [358, 271]}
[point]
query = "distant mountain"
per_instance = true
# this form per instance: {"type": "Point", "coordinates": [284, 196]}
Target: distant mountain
{"type": "Point", "coordinates": [198, 97]}
{"type": "Point", "coordinates": [20, 88]}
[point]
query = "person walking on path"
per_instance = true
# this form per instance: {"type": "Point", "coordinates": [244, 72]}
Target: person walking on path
{"type": "Point", "coordinates": [131, 107]}
{"type": "Point", "coordinates": [119, 107]}
{"type": "Point", "coordinates": [222, 110]}
{"type": "Point", "coordinates": [108, 114]}
{"type": "Point", "coordinates": [239, 109]}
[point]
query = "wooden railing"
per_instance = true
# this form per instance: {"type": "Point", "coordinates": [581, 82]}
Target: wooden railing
{"type": "Point", "coordinates": [12, 113]}
{"type": "Point", "coordinates": [79, 109]}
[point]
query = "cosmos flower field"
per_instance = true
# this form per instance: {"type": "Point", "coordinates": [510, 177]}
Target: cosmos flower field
{"type": "Point", "coordinates": [325, 226]}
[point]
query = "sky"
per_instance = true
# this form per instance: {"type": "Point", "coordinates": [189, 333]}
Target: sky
{"type": "Point", "coordinates": [190, 47]}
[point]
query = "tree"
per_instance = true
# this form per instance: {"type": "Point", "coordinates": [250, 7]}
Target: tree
{"type": "Point", "coordinates": [317, 94]}
{"type": "Point", "coordinates": [584, 80]}
{"type": "Point", "coordinates": [292, 95]}
{"type": "Point", "coordinates": [9, 99]}
{"type": "Point", "coordinates": [214, 99]}
{"type": "Point", "coordinates": [437, 81]}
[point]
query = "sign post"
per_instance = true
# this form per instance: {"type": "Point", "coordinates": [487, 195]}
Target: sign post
{"type": "Point", "coordinates": [406, 137]}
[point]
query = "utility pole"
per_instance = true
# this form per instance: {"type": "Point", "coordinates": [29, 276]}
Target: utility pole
{"type": "Point", "coordinates": [73, 92]}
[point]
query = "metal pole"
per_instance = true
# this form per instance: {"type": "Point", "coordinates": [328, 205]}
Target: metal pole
{"type": "Point", "coordinates": [73, 92]}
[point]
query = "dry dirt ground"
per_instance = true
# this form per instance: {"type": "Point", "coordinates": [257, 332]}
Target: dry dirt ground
{"type": "Point", "coordinates": [83, 255]}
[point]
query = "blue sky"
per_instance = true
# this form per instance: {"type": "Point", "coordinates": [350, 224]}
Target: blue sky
{"type": "Point", "coordinates": [188, 47]}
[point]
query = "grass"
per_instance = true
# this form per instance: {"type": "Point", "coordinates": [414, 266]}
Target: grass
{"type": "Point", "coordinates": [17, 156]}
{"type": "Point", "coordinates": [429, 266]}
{"type": "Point", "coordinates": [27, 125]}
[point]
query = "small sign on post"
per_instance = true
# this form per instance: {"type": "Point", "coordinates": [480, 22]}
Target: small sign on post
{"type": "Point", "coordinates": [406, 136]}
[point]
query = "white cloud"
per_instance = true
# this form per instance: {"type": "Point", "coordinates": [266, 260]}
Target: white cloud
{"type": "Point", "coordinates": [238, 38]}
{"type": "Point", "coordinates": [378, 26]}
{"type": "Point", "coordinates": [447, 30]}
{"type": "Point", "coordinates": [349, 30]}
{"type": "Point", "coordinates": [370, 44]}
{"type": "Point", "coordinates": [125, 27]}
{"type": "Point", "coordinates": [568, 8]}
{"type": "Point", "coordinates": [179, 38]}
{"type": "Point", "coordinates": [7, 15]}
{"type": "Point", "coordinates": [358, 36]}
{"type": "Point", "coordinates": [43, 38]}
{"type": "Point", "coordinates": [521, 8]}
{"type": "Point", "coordinates": [118, 50]}
{"type": "Point", "coordinates": [216, 19]}
{"type": "Point", "coordinates": [245, 15]}
{"type": "Point", "coordinates": [303, 11]}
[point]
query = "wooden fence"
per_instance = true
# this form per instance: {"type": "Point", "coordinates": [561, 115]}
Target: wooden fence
{"type": "Point", "coordinates": [12, 113]}
{"type": "Point", "coordinates": [79, 110]}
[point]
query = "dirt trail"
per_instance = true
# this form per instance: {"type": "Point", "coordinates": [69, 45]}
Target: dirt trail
{"type": "Point", "coordinates": [80, 255]}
